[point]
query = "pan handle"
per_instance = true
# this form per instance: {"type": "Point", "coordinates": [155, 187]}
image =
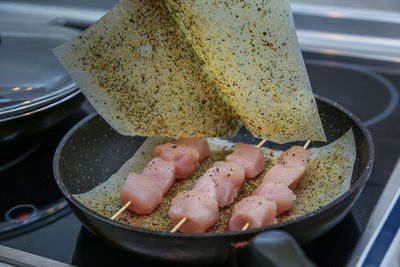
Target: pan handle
{"type": "Point", "coordinates": [274, 248]}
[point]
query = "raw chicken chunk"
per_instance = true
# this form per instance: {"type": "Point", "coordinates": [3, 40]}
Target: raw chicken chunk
{"type": "Point", "coordinates": [250, 157]}
{"type": "Point", "coordinates": [206, 186]}
{"type": "Point", "coordinates": [216, 184]}
{"type": "Point", "coordinates": [198, 144]}
{"type": "Point", "coordinates": [161, 172]}
{"type": "Point", "coordinates": [296, 155]}
{"type": "Point", "coordinates": [256, 210]}
{"type": "Point", "coordinates": [222, 182]}
{"type": "Point", "coordinates": [278, 192]}
{"type": "Point", "coordinates": [144, 194]}
{"type": "Point", "coordinates": [289, 175]}
{"type": "Point", "coordinates": [200, 209]}
{"type": "Point", "coordinates": [184, 158]}
{"type": "Point", "coordinates": [234, 171]}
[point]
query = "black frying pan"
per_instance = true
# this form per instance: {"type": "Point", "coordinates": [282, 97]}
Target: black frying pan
{"type": "Point", "coordinates": [87, 156]}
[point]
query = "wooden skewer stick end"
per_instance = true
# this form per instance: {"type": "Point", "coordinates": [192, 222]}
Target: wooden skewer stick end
{"type": "Point", "coordinates": [307, 144]}
{"type": "Point", "coordinates": [120, 211]}
{"type": "Point", "coordinates": [246, 226]}
{"type": "Point", "coordinates": [182, 221]}
{"type": "Point", "coordinates": [261, 143]}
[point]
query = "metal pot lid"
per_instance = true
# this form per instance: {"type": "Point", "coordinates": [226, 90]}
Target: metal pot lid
{"type": "Point", "coordinates": [30, 75]}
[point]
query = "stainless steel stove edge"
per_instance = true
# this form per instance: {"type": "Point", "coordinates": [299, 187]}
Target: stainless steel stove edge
{"type": "Point", "coordinates": [378, 217]}
{"type": "Point", "coordinates": [15, 257]}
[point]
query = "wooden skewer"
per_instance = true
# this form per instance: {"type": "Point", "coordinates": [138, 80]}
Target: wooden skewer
{"type": "Point", "coordinates": [261, 143]}
{"type": "Point", "coordinates": [120, 210]}
{"type": "Point", "coordinates": [184, 219]}
{"type": "Point", "coordinates": [246, 226]}
{"type": "Point", "coordinates": [307, 144]}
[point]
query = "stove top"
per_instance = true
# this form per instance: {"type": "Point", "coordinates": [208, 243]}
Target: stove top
{"type": "Point", "coordinates": [29, 194]}
{"type": "Point", "coordinates": [368, 88]}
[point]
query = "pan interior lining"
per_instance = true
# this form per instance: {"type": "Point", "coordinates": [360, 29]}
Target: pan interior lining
{"type": "Point", "coordinates": [327, 177]}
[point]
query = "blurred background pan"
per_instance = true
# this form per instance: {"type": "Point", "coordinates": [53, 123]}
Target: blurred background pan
{"type": "Point", "coordinates": [36, 93]}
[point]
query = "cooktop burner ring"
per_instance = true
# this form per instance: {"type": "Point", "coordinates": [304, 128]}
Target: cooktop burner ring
{"type": "Point", "coordinates": [12, 227]}
{"type": "Point", "coordinates": [390, 88]}
{"type": "Point", "coordinates": [21, 218]}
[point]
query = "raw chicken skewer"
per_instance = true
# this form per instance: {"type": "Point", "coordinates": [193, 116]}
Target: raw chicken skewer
{"type": "Point", "coordinates": [246, 226]}
{"type": "Point", "coordinates": [172, 160]}
{"type": "Point", "coordinates": [271, 206]}
{"type": "Point", "coordinates": [250, 172]}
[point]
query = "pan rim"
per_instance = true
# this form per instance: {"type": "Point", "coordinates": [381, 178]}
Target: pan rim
{"type": "Point", "coordinates": [237, 234]}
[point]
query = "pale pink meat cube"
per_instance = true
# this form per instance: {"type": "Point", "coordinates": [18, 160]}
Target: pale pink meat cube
{"type": "Point", "coordinates": [161, 172]}
{"type": "Point", "coordinates": [206, 186]}
{"type": "Point", "coordinates": [289, 175]}
{"type": "Point", "coordinates": [250, 157]}
{"type": "Point", "coordinates": [278, 192]}
{"type": "Point", "coordinates": [184, 158]}
{"type": "Point", "coordinates": [198, 144]}
{"type": "Point", "coordinates": [222, 182]}
{"type": "Point", "coordinates": [200, 209]}
{"type": "Point", "coordinates": [234, 171]}
{"type": "Point", "coordinates": [215, 183]}
{"type": "Point", "coordinates": [296, 155]}
{"type": "Point", "coordinates": [255, 210]}
{"type": "Point", "coordinates": [144, 194]}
